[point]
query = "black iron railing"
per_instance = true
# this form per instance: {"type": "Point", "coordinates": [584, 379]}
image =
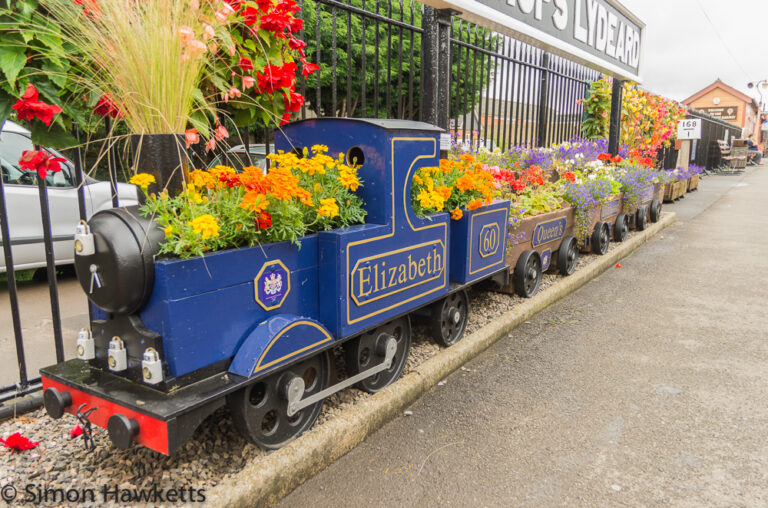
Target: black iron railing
{"type": "Point", "coordinates": [395, 59]}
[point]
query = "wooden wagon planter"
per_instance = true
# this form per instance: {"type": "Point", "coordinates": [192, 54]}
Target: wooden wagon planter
{"type": "Point", "coordinates": [693, 183]}
{"type": "Point", "coordinates": [674, 191]}
{"type": "Point", "coordinates": [537, 244]}
{"type": "Point", "coordinates": [608, 222]}
{"type": "Point", "coordinates": [649, 208]}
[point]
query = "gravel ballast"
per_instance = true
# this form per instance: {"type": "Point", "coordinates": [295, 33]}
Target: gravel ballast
{"type": "Point", "coordinates": [216, 452]}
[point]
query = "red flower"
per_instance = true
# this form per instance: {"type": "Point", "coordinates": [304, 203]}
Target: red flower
{"type": "Point", "coordinates": [293, 101]}
{"type": "Point", "coordinates": [250, 15]}
{"type": "Point", "coordinates": [90, 7]}
{"type": "Point", "coordinates": [77, 430]}
{"type": "Point", "coordinates": [647, 162]}
{"type": "Point", "coordinates": [17, 442]}
{"type": "Point", "coordinates": [264, 220]}
{"type": "Point", "coordinates": [571, 177]}
{"type": "Point", "coordinates": [229, 180]}
{"type": "Point", "coordinates": [309, 68]}
{"type": "Point", "coordinates": [616, 160]}
{"type": "Point", "coordinates": [264, 5]}
{"type": "Point", "coordinates": [28, 107]}
{"type": "Point", "coordinates": [275, 77]}
{"type": "Point", "coordinates": [106, 107]}
{"type": "Point", "coordinates": [40, 161]}
{"type": "Point", "coordinates": [604, 157]}
{"type": "Point", "coordinates": [246, 64]}
{"type": "Point", "coordinates": [297, 44]}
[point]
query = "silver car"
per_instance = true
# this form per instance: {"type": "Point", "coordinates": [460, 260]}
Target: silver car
{"type": "Point", "coordinates": [23, 203]}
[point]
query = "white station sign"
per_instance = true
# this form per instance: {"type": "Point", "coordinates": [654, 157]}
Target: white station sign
{"type": "Point", "coordinates": [602, 34]}
{"type": "Point", "coordinates": [689, 128]}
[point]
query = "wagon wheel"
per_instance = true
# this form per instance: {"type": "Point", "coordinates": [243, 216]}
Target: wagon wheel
{"type": "Point", "coordinates": [655, 210]}
{"type": "Point", "coordinates": [621, 228]}
{"type": "Point", "coordinates": [568, 255]}
{"type": "Point", "coordinates": [527, 274]}
{"type": "Point", "coordinates": [448, 318]}
{"type": "Point", "coordinates": [260, 410]}
{"type": "Point", "coordinates": [366, 351]}
{"type": "Point", "coordinates": [642, 218]}
{"type": "Point", "coordinates": [601, 238]}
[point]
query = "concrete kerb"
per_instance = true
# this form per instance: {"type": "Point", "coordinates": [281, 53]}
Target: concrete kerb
{"type": "Point", "coordinates": [270, 478]}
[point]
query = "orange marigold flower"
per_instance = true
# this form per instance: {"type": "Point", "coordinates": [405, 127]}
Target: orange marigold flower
{"type": "Point", "coordinates": [475, 204]}
{"type": "Point", "coordinates": [254, 201]}
{"type": "Point", "coordinates": [456, 214]}
{"type": "Point", "coordinates": [282, 183]}
{"type": "Point", "coordinates": [465, 182]}
{"type": "Point", "coordinates": [304, 196]}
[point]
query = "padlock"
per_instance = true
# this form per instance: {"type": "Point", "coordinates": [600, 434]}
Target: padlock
{"type": "Point", "coordinates": [85, 346]}
{"type": "Point", "coordinates": [151, 366]}
{"type": "Point", "coordinates": [84, 244]}
{"type": "Point", "coordinates": [117, 358]}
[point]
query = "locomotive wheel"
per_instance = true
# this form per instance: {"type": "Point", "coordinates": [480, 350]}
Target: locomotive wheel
{"type": "Point", "coordinates": [448, 318]}
{"type": "Point", "coordinates": [621, 228]}
{"type": "Point", "coordinates": [527, 274]}
{"type": "Point", "coordinates": [642, 218]}
{"type": "Point", "coordinates": [361, 353]}
{"type": "Point", "coordinates": [601, 238]}
{"type": "Point", "coordinates": [260, 410]}
{"type": "Point", "coordinates": [568, 255]}
{"type": "Point", "coordinates": [655, 210]}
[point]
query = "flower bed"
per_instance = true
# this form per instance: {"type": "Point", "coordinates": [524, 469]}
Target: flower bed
{"type": "Point", "coordinates": [222, 209]}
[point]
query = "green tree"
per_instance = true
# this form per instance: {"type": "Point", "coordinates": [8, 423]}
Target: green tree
{"type": "Point", "coordinates": [388, 70]}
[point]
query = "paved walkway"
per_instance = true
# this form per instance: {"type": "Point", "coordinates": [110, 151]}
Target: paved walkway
{"type": "Point", "coordinates": [647, 386]}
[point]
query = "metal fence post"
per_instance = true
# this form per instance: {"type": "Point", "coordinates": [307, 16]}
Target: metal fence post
{"type": "Point", "coordinates": [614, 131]}
{"type": "Point", "coordinates": [541, 120]}
{"type": "Point", "coordinates": [436, 65]}
{"type": "Point", "coordinates": [430, 65]}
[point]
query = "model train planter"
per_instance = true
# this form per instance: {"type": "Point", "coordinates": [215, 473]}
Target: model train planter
{"type": "Point", "coordinates": [674, 191]}
{"type": "Point", "coordinates": [693, 183]}
{"type": "Point", "coordinates": [608, 223]}
{"type": "Point", "coordinates": [538, 244]}
{"type": "Point", "coordinates": [649, 209]}
{"type": "Point", "coordinates": [172, 340]}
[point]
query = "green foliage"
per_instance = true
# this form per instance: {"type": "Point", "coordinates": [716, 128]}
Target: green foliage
{"type": "Point", "coordinates": [32, 52]}
{"type": "Point", "coordinates": [597, 109]}
{"type": "Point", "coordinates": [385, 74]}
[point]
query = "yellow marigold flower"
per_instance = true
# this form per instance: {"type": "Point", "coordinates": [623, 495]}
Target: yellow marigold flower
{"type": "Point", "coordinates": [349, 179]}
{"type": "Point", "coordinates": [254, 201]}
{"type": "Point", "coordinates": [201, 179]}
{"type": "Point", "coordinates": [475, 204]}
{"type": "Point", "coordinates": [319, 148]}
{"type": "Point", "coordinates": [328, 208]}
{"type": "Point", "coordinates": [143, 180]}
{"type": "Point", "coordinates": [456, 214]}
{"type": "Point", "coordinates": [168, 230]}
{"type": "Point", "coordinates": [205, 226]}
{"type": "Point", "coordinates": [417, 180]}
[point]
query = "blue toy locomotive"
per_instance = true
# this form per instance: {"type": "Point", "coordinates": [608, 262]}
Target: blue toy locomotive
{"type": "Point", "coordinates": [173, 340]}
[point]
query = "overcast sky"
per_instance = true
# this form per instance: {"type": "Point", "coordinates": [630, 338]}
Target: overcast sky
{"type": "Point", "coordinates": [683, 52]}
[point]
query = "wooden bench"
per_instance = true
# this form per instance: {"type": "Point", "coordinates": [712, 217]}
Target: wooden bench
{"type": "Point", "coordinates": [735, 157]}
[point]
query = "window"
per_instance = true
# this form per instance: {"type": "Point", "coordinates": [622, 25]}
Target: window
{"type": "Point", "coordinates": [12, 146]}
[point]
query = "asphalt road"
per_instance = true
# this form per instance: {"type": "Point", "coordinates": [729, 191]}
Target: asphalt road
{"type": "Point", "coordinates": [647, 386]}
